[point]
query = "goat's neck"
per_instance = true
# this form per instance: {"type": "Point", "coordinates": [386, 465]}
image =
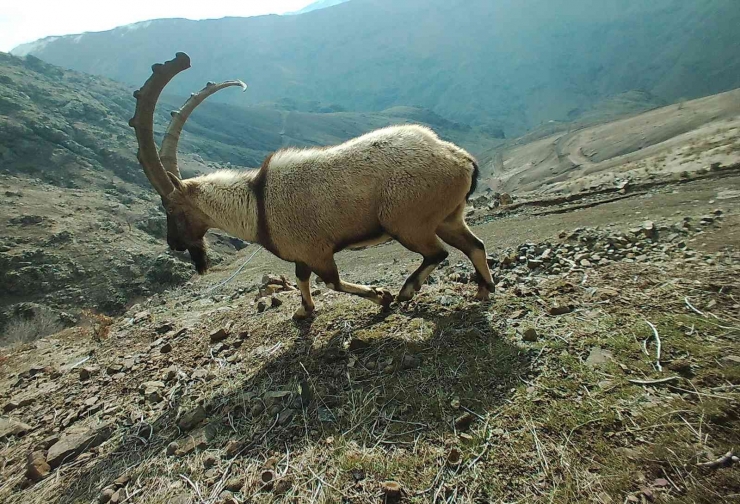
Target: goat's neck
{"type": "Point", "coordinates": [228, 202]}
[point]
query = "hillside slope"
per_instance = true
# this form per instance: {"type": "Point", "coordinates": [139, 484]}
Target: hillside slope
{"type": "Point", "coordinates": [676, 140]}
{"type": "Point", "coordinates": [513, 64]}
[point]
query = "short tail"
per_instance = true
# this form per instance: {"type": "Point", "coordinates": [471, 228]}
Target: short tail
{"type": "Point", "coordinates": [474, 181]}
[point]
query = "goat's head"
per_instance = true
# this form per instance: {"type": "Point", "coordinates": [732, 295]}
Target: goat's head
{"type": "Point", "coordinates": [186, 225]}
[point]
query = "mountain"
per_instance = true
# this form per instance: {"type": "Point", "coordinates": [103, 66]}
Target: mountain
{"type": "Point", "coordinates": [321, 4]}
{"type": "Point", "coordinates": [511, 64]}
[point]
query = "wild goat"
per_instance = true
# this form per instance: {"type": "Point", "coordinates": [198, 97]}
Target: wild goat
{"type": "Point", "coordinates": [304, 205]}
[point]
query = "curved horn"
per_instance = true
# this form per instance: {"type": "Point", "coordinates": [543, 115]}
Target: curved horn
{"type": "Point", "coordinates": [168, 153]}
{"type": "Point", "coordinates": [143, 120]}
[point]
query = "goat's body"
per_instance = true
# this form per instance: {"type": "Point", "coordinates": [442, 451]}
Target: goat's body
{"type": "Point", "coordinates": [386, 183]}
{"type": "Point", "coordinates": [304, 205]}
{"type": "Point", "coordinates": [399, 182]}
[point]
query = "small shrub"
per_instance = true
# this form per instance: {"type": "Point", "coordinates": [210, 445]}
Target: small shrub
{"type": "Point", "coordinates": [25, 329]}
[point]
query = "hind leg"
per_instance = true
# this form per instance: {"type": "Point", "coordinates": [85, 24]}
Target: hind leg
{"type": "Point", "coordinates": [455, 232]}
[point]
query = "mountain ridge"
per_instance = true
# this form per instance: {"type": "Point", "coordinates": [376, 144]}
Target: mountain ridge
{"type": "Point", "coordinates": [513, 65]}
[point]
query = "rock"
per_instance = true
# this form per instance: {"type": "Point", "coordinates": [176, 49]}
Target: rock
{"type": "Point", "coordinates": [192, 419]}
{"type": "Point", "coordinates": [234, 484]}
{"type": "Point", "coordinates": [682, 367]}
{"type": "Point", "coordinates": [530, 335]}
{"type": "Point", "coordinates": [106, 495]}
{"type": "Point", "coordinates": [410, 362]}
{"type": "Point", "coordinates": [164, 328]}
{"type": "Point", "coordinates": [170, 374]}
{"type": "Point", "coordinates": [197, 440]}
{"type": "Point", "coordinates": [36, 467]}
{"type": "Point", "coordinates": [358, 345]}
{"type": "Point", "coordinates": [559, 310]}
{"type": "Point", "coordinates": [598, 357]}
{"type": "Point", "coordinates": [152, 391]}
{"type": "Point", "coordinates": [87, 372]}
{"type": "Point", "coordinates": [506, 199]}
{"type": "Point", "coordinates": [285, 416]}
{"type": "Point", "coordinates": [114, 369]}
{"type": "Point", "coordinates": [166, 348]}
{"type": "Point", "coordinates": [10, 427]}
{"type": "Point", "coordinates": [218, 335]}
{"type": "Point", "coordinates": [19, 402]}
{"type": "Point", "coordinates": [261, 306]}
{"type": "Point", "coordinates": [464, 421]}
{"type": "Point", "coordinates": [74, 442]}
{"type": "Point", "coordinates": [275, 302]}
{"type": "Point", "coordinates": [172, 448]}
{"type": "Point", "coordinates": [649, 230]}
{"type": "Point", "coordinates": [391, 490]}
{"type": "Point", "coordinates": [210, 461]}
{"type": "Point", "coordinates": [731, 358]}
{"type": "Point", "coordinates": [141, 317]}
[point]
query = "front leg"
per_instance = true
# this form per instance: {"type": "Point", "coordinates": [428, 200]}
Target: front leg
{"type": "Point", "coordinates": [329, 274]}
{"type": "Point", "coordinates": [303, 274]}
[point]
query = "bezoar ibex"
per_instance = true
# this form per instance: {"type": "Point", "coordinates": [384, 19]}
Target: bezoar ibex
{"type": "Point", "coordinates": [305, 205]}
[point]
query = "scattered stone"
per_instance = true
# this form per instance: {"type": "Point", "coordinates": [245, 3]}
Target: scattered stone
{"type": "Point", "coordinates": [166, 348]}
{"type": "Point", "coordinates": [649, 230]}
{"type": "Point", "coordinates": [172, 448]}
{"type": "Point", "coordinates": [464, 421]}
{"type": "Point", "coordinates": [530, 335]}
{"type": "Point", "coordinates": [261, 306]}
{"type": "Point", "coordinates": [598, 357]}
{"type": "Point", "coordinates": [219, 335]}
{"type": "Point", "coordinates": [410, 362]}
{"type": "Point", "coordinates": [10, 427]}
{"type": "Point", "coordinates": [285, 416]}
{"type": "Point", "coordinates": [559, 310]}
{"type": "Point", "coordinates": [192, 419]}
{"type": "Point", "coordinates": [152, 391]}
{"type": "Point", "coordinates": [234, 484]}
{"type": "Point", "coordinates": [505, 199]}
{"type": "Point", "coordinates": [682, 367]}
{"type": "Point", "coordinates": [106, 495]}
{"type": "Point", "coordinates": [197, 440]}
{"type": "Point", "coordinates": [37, 467]}
{"type": "Point", "coordinates": [454, 457]}
{"type": "Point", "coordinates": [87, 372]}
{"type": "Point", "coordinates": [210, 461]}
{"type": "Point", "coordinates": [391, 490]}
{"type": "Point", "coordinates": [275, 302]}
{"type": "Point", "coordinates": [74, 442]}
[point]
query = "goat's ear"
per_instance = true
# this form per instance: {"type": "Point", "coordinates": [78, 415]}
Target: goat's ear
{"type": "Point", "coordinates": [179, 186]}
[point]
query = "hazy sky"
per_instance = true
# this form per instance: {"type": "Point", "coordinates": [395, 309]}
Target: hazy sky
{"type": "Point", "coordinates": [28, 20]}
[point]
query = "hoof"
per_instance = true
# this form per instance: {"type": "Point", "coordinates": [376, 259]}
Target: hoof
{"type": "Point", "coordinates": [302, 313]}
{"type": "Point", "coordinates": [483, 294]}
{"type": "Point", "coordinates": [385, 298]}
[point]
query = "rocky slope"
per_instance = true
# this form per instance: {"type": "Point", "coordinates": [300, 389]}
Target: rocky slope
{"type": "Point", "coordinates": [209, 396]}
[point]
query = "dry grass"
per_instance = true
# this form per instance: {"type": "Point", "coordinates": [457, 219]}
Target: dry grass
{"type": "Point", "coordinates": [22, 329]}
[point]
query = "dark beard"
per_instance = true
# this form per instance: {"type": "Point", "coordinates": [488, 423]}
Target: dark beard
{"type": "Point", "coordinates": [199, 255]}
